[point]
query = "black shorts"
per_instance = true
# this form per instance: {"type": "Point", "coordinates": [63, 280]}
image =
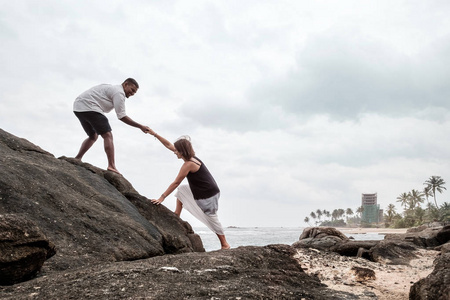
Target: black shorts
{"type": "Point", "coordinates": [93, 122]}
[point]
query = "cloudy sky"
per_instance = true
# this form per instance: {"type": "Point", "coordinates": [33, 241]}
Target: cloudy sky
{"type": "Point", "coordinates": [293, 105]}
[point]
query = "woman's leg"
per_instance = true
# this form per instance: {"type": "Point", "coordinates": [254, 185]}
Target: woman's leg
{"type": "Point", "coordinates": [223, 241]}
{"type": "Point", "coordinates": [178, 208]}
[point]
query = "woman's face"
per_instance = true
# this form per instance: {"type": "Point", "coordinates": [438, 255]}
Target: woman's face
{"type": "Point", "coordinates": [178, 154]}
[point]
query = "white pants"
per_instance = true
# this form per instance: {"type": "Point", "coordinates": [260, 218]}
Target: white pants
{"type": "Point", "coordinates": [184, 194]}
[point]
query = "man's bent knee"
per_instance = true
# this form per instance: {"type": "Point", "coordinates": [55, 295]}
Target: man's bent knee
{"type": "Point", "coordinates": [107, 135]}
{"type": "Point", "coordinates": [94, 137]}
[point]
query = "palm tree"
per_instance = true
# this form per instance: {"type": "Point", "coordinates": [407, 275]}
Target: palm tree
{"type": "Point", "coordinates": [319, 214]}
{"type": "Point", "coordinates": [403, 199]}
{"type": "Point", "coordinates": [306, 220]}
{"type": "Point", "coordinates": [313, 215]}
{"type": "Point", "coordinates": [349, 213]}
{"type": "Point", "coordinates": [415, 198]}
{"type": "Point", "coordinates": [427, 193]}
{"type": "Point", "coordinates": [445, 212]}
{"type": "Point", "coordinates": [360, 210]}
{"type": "Point", "coordinates": [333, 214]}
{"type": "Point", "coordinates": [419, 213]}
{"type": "Point", "coordinates": [390, 212]}
{"type": "Point", "coordinates": [435, 183]}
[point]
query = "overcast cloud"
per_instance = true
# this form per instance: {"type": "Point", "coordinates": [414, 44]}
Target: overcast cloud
{"type": "Point", "coordinates": [293, 105]}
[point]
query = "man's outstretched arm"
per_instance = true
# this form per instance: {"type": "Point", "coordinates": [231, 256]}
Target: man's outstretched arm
{"type": "Point", "coordinates": [129, 121]}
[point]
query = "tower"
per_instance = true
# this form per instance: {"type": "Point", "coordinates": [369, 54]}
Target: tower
{"type": "Point", "coordinates": [370, 208]}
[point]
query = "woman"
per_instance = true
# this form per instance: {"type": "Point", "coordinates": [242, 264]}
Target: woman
{"type": "Point", "coordinates": [202, 194]}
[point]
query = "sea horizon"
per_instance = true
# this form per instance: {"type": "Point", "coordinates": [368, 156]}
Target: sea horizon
{"type": "Point", "coordinates": [263, 236]}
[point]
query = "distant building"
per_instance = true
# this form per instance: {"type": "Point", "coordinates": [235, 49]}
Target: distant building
{"type": "Point", "coordinates": [371, 210]}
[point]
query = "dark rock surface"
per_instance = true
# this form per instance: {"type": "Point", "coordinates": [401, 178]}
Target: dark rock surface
{"type": "Point", "coordinates": [23, 249]}
{"type": "Point", "coordinates": [424, 236]}
{"type": "Point", "coordinates": [85, 211]}
{"type": "Point", "coordinates": [322, 238]}
{"type": "Point", "coordinates": [363, 274]}
{"type": "Point", "coordinates": [352, 248]}
{"type": "Point", "coordinates": [435, 286]}
{"type": "Point", "coordinates": [243, 273]}
{"type": "Point", "coordinates": [393, 252]}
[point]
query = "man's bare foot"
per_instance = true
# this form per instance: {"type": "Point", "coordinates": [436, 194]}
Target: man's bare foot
{"type": "Point", "coordinates": [226, 247]}
{"type": "Point", "coordinates": [113, 170]}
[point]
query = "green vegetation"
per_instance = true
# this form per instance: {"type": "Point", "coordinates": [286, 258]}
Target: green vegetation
{"type": "Point", "coordinates": [413, 214]}
{"type": "Point", "coordinates": [337, 218]}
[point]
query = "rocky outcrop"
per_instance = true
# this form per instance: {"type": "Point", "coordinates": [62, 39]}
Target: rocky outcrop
{"type": "Point", "coordinates": [90, 215]}
{"type": "Point", "coordinates": [424, 236]}
{"type": "Point", "coordinates": [322, 238]}
{"type": "Point", "coordinates": [394, 251]}
{"type": "Point", "coordinates": [243, 273]}
{"type": "Point", "coordinates": [437, 284]}
{"type": "Point", "coordinates": [23, 249]}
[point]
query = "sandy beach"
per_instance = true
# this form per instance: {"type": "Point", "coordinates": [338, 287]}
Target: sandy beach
{"type": "Point", "coordinates": [391, 282]}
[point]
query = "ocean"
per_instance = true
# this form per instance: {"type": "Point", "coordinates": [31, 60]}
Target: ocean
{"type": "Point", "coordinates": [262, 236]}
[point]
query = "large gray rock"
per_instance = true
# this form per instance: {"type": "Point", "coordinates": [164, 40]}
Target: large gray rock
{"type": "Point", "coordinates": [84, 210]}
{"type": "Point", "coordinates": [354, 248]}
{"type": "Point", "coordinates": [423, 236]}
{"type": "Point", "coordinates": [268, 272]}
{"type": "Point", "coordinates": [23, 249]}
{"type": "Point", "coordinates": [322, 238]}
{"type": "Point", "coordinates": [393, 252]}
{"type": "Point", "coordinates": [435, 286]}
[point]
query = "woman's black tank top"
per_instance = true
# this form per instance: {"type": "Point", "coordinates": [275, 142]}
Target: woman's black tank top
{"type": "Point", "coordinates": [202, 183]}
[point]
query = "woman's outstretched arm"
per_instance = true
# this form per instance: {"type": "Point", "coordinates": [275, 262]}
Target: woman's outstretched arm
{"type": "Point", "coordinates": [185, 169]}
{"type": "Point", "coordinates": [163, 141]}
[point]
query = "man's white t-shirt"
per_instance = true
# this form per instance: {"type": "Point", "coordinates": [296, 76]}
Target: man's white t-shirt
{"type": "Point", "coordinates": [102, 99]}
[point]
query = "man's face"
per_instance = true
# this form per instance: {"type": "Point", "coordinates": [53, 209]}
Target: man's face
{"type": "Point", "coordinates": [129, 89]}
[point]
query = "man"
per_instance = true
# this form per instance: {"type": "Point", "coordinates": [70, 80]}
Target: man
{"type": "Point", "coordinates": [90, 108]}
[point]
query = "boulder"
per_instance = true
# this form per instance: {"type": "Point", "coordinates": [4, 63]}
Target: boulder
{"type": "Point", "coordinates": [417, 229]}
{"type": "Point", "coordinates": [23, 249]}
{"type": "Point", "coordinates": [393, 252]}
{"type": "Point", "coordinates": [437, 284]}
{"type": "Point", "coordinates": [352, 248]}
{"type": "Point", "coordinates": [362, 274]}
{"type": "Point", "coordinates": [445, 248]}
{"type": "Point", "coordinates": [428, 237]}
{"type": "Point", "coordinates": [322, 238]}
{"type": "Point", "coordinates": [169, 224]}
{"type": "Point", "coordinates": [91, 215]}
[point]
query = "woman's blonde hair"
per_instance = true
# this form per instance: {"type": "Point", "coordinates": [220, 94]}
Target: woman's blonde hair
{"type": "Point", "coordinates": [184, 146]}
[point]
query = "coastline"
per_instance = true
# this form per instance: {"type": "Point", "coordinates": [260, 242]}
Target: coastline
{"type": "Point", "coordinates": [359, 230]}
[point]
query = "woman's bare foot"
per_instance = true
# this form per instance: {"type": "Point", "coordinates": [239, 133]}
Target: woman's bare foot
{"type": "Point", "coordinates": [223, 242]}
{"type": "Point", "coordinates": [113, 170]}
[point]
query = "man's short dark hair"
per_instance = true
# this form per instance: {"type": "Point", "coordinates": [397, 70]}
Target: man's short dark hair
{"type": "Point", "coordinates": [132, 81]}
